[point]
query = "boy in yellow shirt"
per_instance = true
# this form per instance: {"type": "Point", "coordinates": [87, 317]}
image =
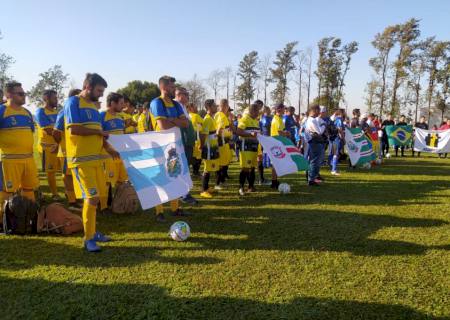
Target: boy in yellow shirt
{"type": "Point", "coordinates": [277, 128]}
{"type": "Point", "coordinates": [224, 131]}
{"type": "Point", "coordinates": [197, 123]}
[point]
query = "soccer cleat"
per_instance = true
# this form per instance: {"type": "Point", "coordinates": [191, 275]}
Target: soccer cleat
{"type": "Point", "coordinates": [241, 192]}
{"type": "Point", "coordinates": [188, 199]}
{"type": "Point", "coordinates": [335, 173]}
{"type": "Point", "coordinates": [251, 189]}
{"type": "Point", "coordinates": [318, 181]}
{"type": "Point", "coordinates": [313, 184]}
{"type": "Point", "coordinates": [160, 218]}
{"type": "Point", "coordinates": [100, 237]}
{"type": "Point", "coordinates": [218, 187]}
{"type": "Point", "coordinates": [206, 195]}
{"type": "Point", "coordinates": [91, 246]}
{"type": "Point", "coordinates": [181, 213]}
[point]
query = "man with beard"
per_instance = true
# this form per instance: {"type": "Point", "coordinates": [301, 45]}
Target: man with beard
{"type": "Point", "coordinates": [167, 114]}
{"type": "Point", "coordinates": [18, 168]}
{"type": "Point", "coordinates": [47, 146]}
{"type": "Point", "coordinates": [85, 141]}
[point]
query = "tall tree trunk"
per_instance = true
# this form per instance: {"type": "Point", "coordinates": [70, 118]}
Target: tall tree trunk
{"type": "Point", "coordinates": [417, 96]}
{"type": "Point", "coordinates": [300, 91]}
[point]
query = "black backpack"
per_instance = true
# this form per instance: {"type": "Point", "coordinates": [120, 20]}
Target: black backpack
{"type": "Point", "coordinates": [331, 131]}
{"type": "Point", "coordinates": [20, 215]}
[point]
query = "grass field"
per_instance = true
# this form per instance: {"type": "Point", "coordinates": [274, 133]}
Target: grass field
{"type": "Point", "coordinates": [370, 244]}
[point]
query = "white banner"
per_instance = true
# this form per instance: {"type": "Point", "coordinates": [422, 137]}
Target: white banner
{"type": "Point", "coordinates": [156, 165]}
{"type": "Point", "coordinates": [434, 141]}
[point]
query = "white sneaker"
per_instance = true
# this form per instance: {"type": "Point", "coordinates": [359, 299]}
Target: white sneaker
{"type": "Point", "coordinates": [335, 173]}
{"type": "Point", "coordinates": [241, 192]}
{"type": "Point", "coordinates": [217, 187]}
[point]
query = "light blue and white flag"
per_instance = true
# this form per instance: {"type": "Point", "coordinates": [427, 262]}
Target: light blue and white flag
{"type": "Point", "coordinates": [156, 165]}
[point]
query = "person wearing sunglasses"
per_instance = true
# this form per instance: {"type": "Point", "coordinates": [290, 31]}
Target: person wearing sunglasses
{"type": "Point", "coordinates": [16, 143]}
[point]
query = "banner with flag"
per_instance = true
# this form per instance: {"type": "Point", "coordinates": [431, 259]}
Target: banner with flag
{"type": "Point", "coordinates": [399, 135]}
{"type": "Point", "coordinates": [156, 165]}
{"type": "Point", "coordinates": [284, 155]}
{"type": "Point", "coordinates": [359, 147]}
{"type": "Point", "coordinates": [434, 141]}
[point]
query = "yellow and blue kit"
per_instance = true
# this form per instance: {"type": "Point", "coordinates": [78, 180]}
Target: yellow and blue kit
{"type": "Point", "coordinates": [45, 119]}
{"type": "Point", "coordinates": [249, 147]}
{"type": "Point", "coordinates": [222, 123]}
{"type": "Point", "coordinates": [276, 126]}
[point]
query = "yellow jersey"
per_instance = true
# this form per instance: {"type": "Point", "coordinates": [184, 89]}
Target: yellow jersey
{"type": "Point", "coordinates": [16, 132]}
{"type": "Point", "coordinates": [126, 116]}
{"type": "Point", "coordinates": [59, 126]}
{"type": "Point", "coordinates": [112, 123]}
{"type": "Point", "coordinates": [276, 126]}
{"type": "Point", "coordinates": [143, 122]}
{"type": "Point", "coordinates": [159, 109]}
{"type": "Point", "coordinates": [223, 123]}
{"type": "Point", "coordinates": [197, 123]}
{"type": "Point", "coordinates": [45, 119]}
{"type": "Point", "coordinates": [82, 150]}
{"type": "Point", "coordinates": [209, 128]}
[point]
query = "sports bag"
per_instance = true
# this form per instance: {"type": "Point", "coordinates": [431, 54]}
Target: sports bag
{"type": "Point", "coordinates": [19, 215]}
{"type": "Point", "coordinates": [125, 199]}
{"type": "Point", "coordinates": [54, 218]}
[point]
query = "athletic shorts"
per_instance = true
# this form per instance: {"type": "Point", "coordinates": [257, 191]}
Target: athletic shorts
{"type": "Point", "coordinates": [248, 159]}
{"type": "Point", "coordinates": [49, 161]}
{"type": "Point", "coordinates": [115, 171]}
{"type": "Point", "coordinates": [211, 165]}
{"type": "Point", "coordinates": [18, 174]}
{"type": "Point", "coordinates": [224, 155]}
{"type": "Point", "coordinates": [89, 181]}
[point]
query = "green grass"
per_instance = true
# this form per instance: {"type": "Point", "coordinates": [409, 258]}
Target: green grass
{"type": "Point", "coordinates": [370, 244]}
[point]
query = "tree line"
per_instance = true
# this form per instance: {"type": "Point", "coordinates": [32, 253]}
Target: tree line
{"type": "Point", "coordinates": [408, 73]}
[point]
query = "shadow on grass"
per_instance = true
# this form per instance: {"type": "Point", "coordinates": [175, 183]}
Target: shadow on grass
{"type": "Point", "coordinates": [311, 230]}
{"type": "Point", "coordinates": [23, 253]}
{"type": "Point", "coordinates": [135, 301]}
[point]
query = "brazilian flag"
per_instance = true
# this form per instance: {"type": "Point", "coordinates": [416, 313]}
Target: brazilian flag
{"type": "Point", "coordinates": [399, 135]}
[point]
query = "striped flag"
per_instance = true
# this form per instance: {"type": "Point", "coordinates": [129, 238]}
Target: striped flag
{"type": "Point", "coordinates": [284, 155]}
{"type": "Point", "coordinates": [358, 146]}
{"type": "Point", "coordinates": [156, 165]}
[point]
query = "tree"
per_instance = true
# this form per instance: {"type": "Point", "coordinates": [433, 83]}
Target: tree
{"type": "Point", "coordinates": [248, 74]}
{"type": "Point", "coordinates": [215, 81]}
{"type": "Point", "coordinates": [416, 69]}
{"type": "Point", "coordinates": [197, 91]}
{"type": "Point", "coordinates": [348, 50]}
{"type": "Point", "coordinates": [52, 79]}
{"type": "Point", "coordinates": [228, 73]}
{"type": "Point", "coordinates": [140, 92]}
{"type": "Point", "coordinates": [383, 43]}
{"type": "Point", "coordinates": [5, 63]}
{"type": "Point", "coordinates": [265, 74]}
{"type": "Point", "coordinates": [371, 95]}
{"type": "Point", "coordinates": [284, 64]}
{"type": "Point", "coordinates": [436, 53]}
{"type": "Point", "coordinates": [405, 35]}
{"type": "Point", "coordinates": [301, 59]}
{"type": "Point", "coordinates": [443, 78]}
{"type": "Point", "coordinates": [308, 62]}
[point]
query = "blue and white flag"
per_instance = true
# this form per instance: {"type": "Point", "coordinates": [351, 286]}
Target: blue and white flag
{"type": "Point", "coordinates": [156, 165]}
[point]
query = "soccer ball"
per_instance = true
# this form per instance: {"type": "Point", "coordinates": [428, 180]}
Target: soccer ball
{"type": "Point", "coordinates": [180, 231]}
{"type": "Point", "coordinates": [284, 188]}
{"type": "Point", "coordinates": [367, 165]}
{"type": "Point", "coordinates": [388, 155]}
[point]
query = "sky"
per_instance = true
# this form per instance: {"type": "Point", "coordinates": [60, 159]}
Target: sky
{"type": "Point", "coordinates": [142, 40]}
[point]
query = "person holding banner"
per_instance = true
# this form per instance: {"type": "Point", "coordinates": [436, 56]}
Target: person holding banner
{"type": "Point", "coordinates": [422, 124]}
{"type": "Point", "coordinates": [209, 147]}
{"type": "Point", "coordinates": [168, 113]}
{"type": "Point", "coordinates": [401, 122]}
{"type": "Point", "coordinates": [85, 142]}
{"type": "Point", "coordinates": [247, 130]}
{"type": "Point", "coordinates": [277, 128]}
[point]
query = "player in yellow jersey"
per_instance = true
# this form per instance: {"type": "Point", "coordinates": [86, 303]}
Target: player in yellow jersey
{"type": "Point", "coordinates": [59, 136]}
{"type": "Point", "coordinates": [18, 169]}
{"type": "Point", "coordinates": [85, 142]}
{"type": "Point", "coordinates": [197, 123]}
{"type": "Point", "coordinates": [277, 128]}
{"type": "Point", "coordinates": [247, 130]}
{"type": "Point", "coordinates": [145, 120]}
{"type": "Point", "coordinates": [113, 123]}
{"type": "Point", "coordinates": [47, 147]}
{"type": "Point", "coordinates": [127, 114]}
{"type": "Point", "coordinates": [168, 113]}
{"type": "Point", "coordinates": [224, 130]}
{"type": "Point", "coordinates": [209, 146]}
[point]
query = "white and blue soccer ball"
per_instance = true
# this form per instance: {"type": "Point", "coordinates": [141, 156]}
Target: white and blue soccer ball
{"type": "Point", "coordinates": [388, 155]}
{"type": "Point", "coordinates": [180, 231]}
{"type": "Point", "coordinates": [284, 188]}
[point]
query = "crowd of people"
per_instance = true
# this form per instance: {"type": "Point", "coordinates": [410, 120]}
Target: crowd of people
{"type": "Point", "coordinates": [74, 141]}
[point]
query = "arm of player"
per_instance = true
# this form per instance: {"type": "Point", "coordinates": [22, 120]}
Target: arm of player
{"type": "Point", "coordinates": [79, 130]}
{"type": "Point", "coordinates": [112, 152]}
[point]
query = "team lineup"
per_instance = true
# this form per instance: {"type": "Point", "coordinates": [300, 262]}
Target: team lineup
{"type": "Point", "coordinates": [74, 141]}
